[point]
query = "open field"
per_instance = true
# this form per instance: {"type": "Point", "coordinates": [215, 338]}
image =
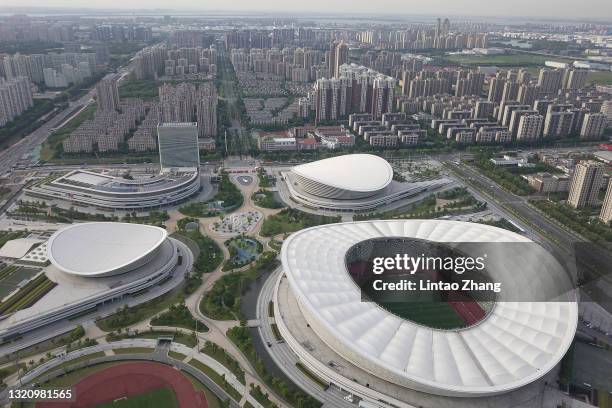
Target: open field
{"type": "Point", "coordinates": [506, 60]}
{"type": "Point", "coordinates": [162, 398]}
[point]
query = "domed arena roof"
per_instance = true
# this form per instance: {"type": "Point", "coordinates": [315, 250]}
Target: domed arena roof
{"type": "Point", "coordinates": [99, 249]}
{"type": "Point", "coordinates": [514, 345]}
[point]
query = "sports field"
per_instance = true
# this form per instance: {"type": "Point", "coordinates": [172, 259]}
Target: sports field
{"type": "Point", "coordinates": [440, 315]}
{"type": "Point", "coordinates": [160, 398]}
{"type": "Point", "coordinates": [131, 385]}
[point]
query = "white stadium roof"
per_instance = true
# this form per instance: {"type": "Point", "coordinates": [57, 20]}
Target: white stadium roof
{"type": "Point", "coordinates": [352, 172]}
{"type": "Point", "coordinates": [102, 248]}
{"type": "Point", "coordinates": [515, 344]}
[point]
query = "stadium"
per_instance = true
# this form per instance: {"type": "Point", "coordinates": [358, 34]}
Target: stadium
{"type": "Point", "coordinates": [98, 263]}
{"type": "Point", "coordinates": [484, 352]}
{"type": "Point", "coordinates": [353, 182]}
{"type": "Point", "coordinates": [107, 192]}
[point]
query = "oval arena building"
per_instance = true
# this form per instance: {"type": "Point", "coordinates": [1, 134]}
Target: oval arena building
{"type": "Point", "coordinates": [349, 183]}
{"type": "Point", "coordinates": [378, 355]}
{"type": "Point", "coordinates": [96, 267]}
{"type": "Point", "coordinates": [348, 177]}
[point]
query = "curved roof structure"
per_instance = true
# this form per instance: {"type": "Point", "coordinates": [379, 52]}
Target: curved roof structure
{"type": "Point", "coordinates": [345, 177]}
{"type": "Point", "coordinates": [515, 344]}
{"type": "Point", "coordinates": [98, 249]}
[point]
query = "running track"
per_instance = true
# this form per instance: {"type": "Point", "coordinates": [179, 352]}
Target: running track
{"type": "Point", "coordinates": [131, 379]}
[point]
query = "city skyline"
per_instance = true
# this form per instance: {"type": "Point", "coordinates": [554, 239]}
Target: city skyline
{"type": "Point", "coordinates": [591, 9]}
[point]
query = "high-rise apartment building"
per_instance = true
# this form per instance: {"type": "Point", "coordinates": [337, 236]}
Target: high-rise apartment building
{"type": "Point", "coordinates": [496, 88]}
{"type": "Point", "coordinates": [107, 92]}
{"type": "Point", "coordinates": [558, 124]}
{"type": "Point", "coordinates": [606, 210]}
{"type": "Point", "coordinates": [530, 127]}
{"type": "Point", "coordinates": [527, 94]}
{"type": "Point", "coordinates": [593, 126]}
{"type": "Point", "coordinates": [575, 78]}
{"type": "Point", "coordinates": [206, 112]}
{"type": "Point", "coordinates": [178, 145]}
{"type": "Point", "coordinates": [550, 81]}
{"type": "Point", "coordinates": [586, 183]}
{"type": "Point", "coordinates": [510, 91]}
{"type": "Point", "coordinates": [340, 57]}
{"type": "Point", "coordinates": [15, 98]}
{"type": "Point", "coordinates": [469, 83]}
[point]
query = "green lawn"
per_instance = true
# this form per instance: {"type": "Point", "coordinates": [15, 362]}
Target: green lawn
{"type": "Point", "coordinates": [144, 89]}
{"type": "Point", "coordinates": [131, 315]}
{"type": "Point", "coordinates": [177, 356]}
{"type": "Point", "coordinates": [508, 60]}
{"type": "Point", "coordinates": [222, 302]}
{"type": "Point", "coordinates": [211, 399]}
{"type": "Point", "coordinates": [600, 77]}
{"type": "Point", "coordinates": [133, 350]}
{"type": "Point", "coordinates": [52, 146]}
{"type": "Point", "coordinates": [218, 379]}
{"type": "Point", "coordinates": [179, 316]}
{"type": "Point", "coordinates": [160, 398]}
{"type": "Point", "coordinates": [291, 220]}
{"type": "Point", "coordinates": [222, 356]}
{"type": "Point", "coordinates": [434, 314]}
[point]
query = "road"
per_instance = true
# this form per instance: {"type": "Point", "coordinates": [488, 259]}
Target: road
{"type": "Point", "coordinates": [11, 156]}
{"type": "Point", "coordinates": [284, 357]}
{"type": "Point", "coordinates": [569, 247]}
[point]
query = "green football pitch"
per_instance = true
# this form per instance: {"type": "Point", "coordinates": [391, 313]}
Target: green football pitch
{"type": "Point", "coordinates": [160, 398]}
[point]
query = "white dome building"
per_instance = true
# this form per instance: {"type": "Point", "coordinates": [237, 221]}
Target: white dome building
{"type": "Point", "coordinates": [97, 264]}
{"type": "Point", "coordinates": [515, 344]}
{"type": "Point", "coordinates": [352, 182]}
{"type": "Point", "coordinates": [101, 249]}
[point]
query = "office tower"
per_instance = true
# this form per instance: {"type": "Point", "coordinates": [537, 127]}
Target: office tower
{"type": "Point", "coordinates": [585, 185]}
{"type": "Point", "coordinates": [558, 124]}
{"type": "Point", "coordinates": [340, 57]}
{"type": "Point", "coordinates": [606, 210]}
{"type": "Point", "coordinates": [527, 94]}
{"type": "Point", "coordinates": [593, 126]}
{"type": "Point", "coordinates": [15, 98]}
{"type": "Point", "coordinates": [550, 81]}
{"type": "Point", "coordinates": [496, 89]}
{"type": "Point", "coordinates": [530, 127]}
{"type": "Point", "coordinates": [108, 93]}
{"type": "Point", "coordinates": [178, 145]}
{"type": "Point", "coordinates": [575, 78]}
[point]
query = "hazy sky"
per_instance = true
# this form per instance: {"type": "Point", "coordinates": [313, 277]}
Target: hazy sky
{"type": "Point", "coordinates": [571, 9]}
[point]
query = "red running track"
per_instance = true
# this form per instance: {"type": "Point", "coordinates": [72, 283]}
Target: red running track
{"type": "Point", "coordinates": [130, 379]}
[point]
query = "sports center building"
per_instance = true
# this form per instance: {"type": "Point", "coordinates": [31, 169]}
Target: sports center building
{"type": "Point", "coordinates": [499, 353]}
{"type": "Point", "coordinates": [353, 182]}
{"type": "Point", "coordinates": [93, 264]}
{"type": "Point", "coordinates": [107, 192]}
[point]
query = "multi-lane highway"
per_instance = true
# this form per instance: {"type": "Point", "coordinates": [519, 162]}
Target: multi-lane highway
{"type": "Point", "coordinates": [284, 357]}
{"type": "Point", "coordinates": [11, 156]}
